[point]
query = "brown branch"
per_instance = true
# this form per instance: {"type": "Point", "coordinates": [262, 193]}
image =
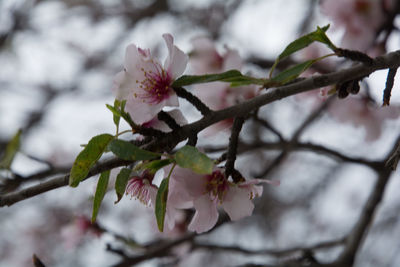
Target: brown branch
{"type": "Point", "coordinates": [11, 198]}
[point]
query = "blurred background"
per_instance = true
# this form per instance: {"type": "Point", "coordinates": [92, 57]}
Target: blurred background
{"type": "Point", "coordinates": [57, 64]}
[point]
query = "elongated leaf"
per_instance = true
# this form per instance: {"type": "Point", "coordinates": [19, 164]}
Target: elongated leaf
{"type": "Point", "coordinates": [161, 203]}
{"type": "Point", "coordinates": [155, 165]}
{"type": "Point", "coordinates": [121, 182]}
{"type": "Point", "coordinates": [231, 76]}
{"type": "Point", "coordinates": [11, 150]}
{"type": "Point", "coordinates": [304, 41]}
{"type": "Point", "coordinates": [88, 157]}
{"type": "Point", "coordinates": [127, 151]}
{"type": "Point", "coordinates": [101, 190]}
{"type": "Point", "coordinates": [192, 79]}
{"type": "Point", "coordinates": [189, 157]}
{"type": "Point", "coordinates": [293, 72]}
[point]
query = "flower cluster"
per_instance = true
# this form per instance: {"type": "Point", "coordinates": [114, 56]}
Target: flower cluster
{"type": "Point", "coordinates": [208, 192]}
{"type": "Point", "coordinates": [204, 193]}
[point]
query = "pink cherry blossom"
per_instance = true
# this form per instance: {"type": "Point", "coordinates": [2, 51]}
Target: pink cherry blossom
{"type": "Point", "coordinates": [141, 188]}
{"type": "Point", "coordinates": [145, 84]}
{"type": "Point", "coordinates": [359, 18]}
{"type": "Point", "coordinates": [207, 192]}
{"type": "Point", "coordinates": [361, 112]}
{"type": "Point", "coordinates": [218, 95]}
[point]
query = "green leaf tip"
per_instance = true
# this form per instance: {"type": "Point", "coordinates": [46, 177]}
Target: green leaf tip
{"type": "Point", "coordinates": [121, 182]}
{"type": "Point", "coordinates": [11, 150]}
{"type": "Point", "coordinates": [101, 190]}
{"type": "Point", "coordinates": [304, 41]}
{"type": "Point", "coordinates": [161, 203]}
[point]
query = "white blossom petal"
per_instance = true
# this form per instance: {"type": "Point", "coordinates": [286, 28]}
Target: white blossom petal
{"type": "Point", "coordinates": [206, 215]}
{"type": "Point", "coordinates": [177, 60]}
{"type": "Point", "coordinates": [238, 204]}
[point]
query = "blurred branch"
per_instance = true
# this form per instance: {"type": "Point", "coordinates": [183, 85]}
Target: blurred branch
{"type": "Point", "coordinates": [361, 227]}
{"type": "Point", "coordinates": [162, 249]}
{"type": "Point", "coordinates": [8, 185]}
{"type": "Point", "coordinates": [270, 252]}
{"type": "Point", "coordinates": [268, 126]}
{"type": "Point", "coordinates": [286, 149]}
{"type": "Point", "coordinates": [394, 157]}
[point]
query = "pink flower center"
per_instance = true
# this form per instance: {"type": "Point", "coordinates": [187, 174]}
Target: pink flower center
{"type": "Point", "coordinates": [156, 85]}
{"type": "Point", "coordinates": [216, 185]}
{"type": "Point", "coordinates": [139, 188]}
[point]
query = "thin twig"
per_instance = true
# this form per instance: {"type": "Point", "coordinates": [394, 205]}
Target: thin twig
{"type": "Point", "coordinates": [192, 99]}
{"type": "Point", "coordinates": [387, 93]}
{"type": "Point", "coordinates": [270, 252]}
{"type": "Point", "coordinates": [232, 148]}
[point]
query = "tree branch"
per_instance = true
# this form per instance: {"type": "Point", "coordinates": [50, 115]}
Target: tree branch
{"type": "Point", "coordinates": [391, 60]}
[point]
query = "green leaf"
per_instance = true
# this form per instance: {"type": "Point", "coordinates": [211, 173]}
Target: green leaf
{"type": "Point", "coordinates": [88, 157]}
{"type": "Point", "coordinates": [155, 165]}
{"type": "Point", "coordinates": [116, 112]}
{"type": "Point", "coordinates": [121, 182]}
{"type": "Point", "coordinates": [304, 41]}
{"type": "Point", "coordinates": [119, 111]}
{"type": "Point", "coordinates": [127, 151]}
{"type": "Point", "coordinates": [161, 203]}
{"type": "Point", "coordinates": [11, 150]}
{"type": "Point", "coordinates": [230, 76]}
{"type": "Point", "coordinates": [116, 118]}
{"type": "Point", "coordinates": [189, 157]}
{"type": "Point", "coordinates": [101, 190]}
{"type": "Point", "coordinates": [293, 72]}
